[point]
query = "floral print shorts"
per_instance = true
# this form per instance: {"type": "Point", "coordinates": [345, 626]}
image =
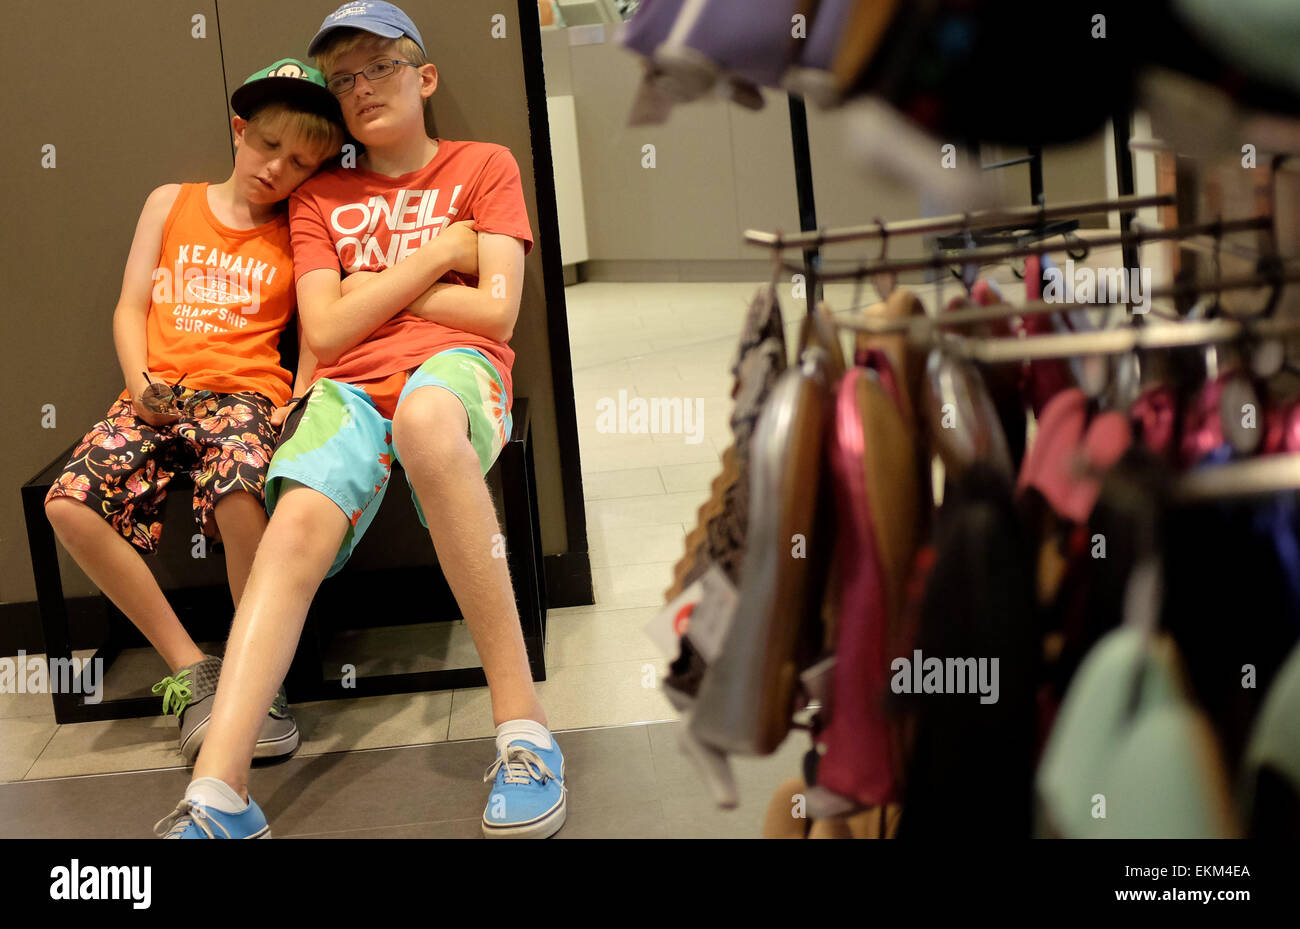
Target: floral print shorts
{"type": "Point", "coordinates": [123, 465]}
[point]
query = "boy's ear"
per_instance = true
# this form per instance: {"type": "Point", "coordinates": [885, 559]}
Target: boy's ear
{"type": "Point", "coordinates": [237, 126]}
{"type": "Point", "coordinates": [428, 80]}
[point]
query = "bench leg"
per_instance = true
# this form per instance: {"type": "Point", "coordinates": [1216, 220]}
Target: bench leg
{"type": "Point", "coordinates": [305, 681]}
{"type": "Point", "coordinates": [68, 707]}
{"type": "Point", "coordinates": [531, 470]}
{"type": "Point", "coordinates": [519, 532]}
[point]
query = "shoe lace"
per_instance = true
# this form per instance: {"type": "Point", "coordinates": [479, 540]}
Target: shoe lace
{"type": "Point", "coordinates": [280, 704]}
{"type": "Point", "coordinates": [173, 824]}
{"type": "Point", "coordinates": [522, 766]}
{"type": "Point", "coordinates": [176, 692]}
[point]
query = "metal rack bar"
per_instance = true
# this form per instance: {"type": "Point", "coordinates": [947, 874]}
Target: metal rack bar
{"type": "Point", "coordinates": [952, 222]}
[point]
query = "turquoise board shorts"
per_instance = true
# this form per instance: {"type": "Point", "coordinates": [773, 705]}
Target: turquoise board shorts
{"type": "Point", "coordinates": [337, 443]}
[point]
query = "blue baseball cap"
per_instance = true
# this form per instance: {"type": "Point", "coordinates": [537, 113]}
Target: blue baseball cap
{"type": "Point", "coordinates": [383, 19]}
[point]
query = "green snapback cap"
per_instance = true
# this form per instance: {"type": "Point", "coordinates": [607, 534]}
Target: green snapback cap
{"type": "Point", "coordinates": [290, 81]}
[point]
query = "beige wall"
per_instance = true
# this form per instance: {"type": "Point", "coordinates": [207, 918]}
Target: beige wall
{"type": "Point", "coordinates": [1070, 172]}
{"type": "Point", "coordinates": [721, 169]}
{"type": "Point", "coordinates": [132, 101]}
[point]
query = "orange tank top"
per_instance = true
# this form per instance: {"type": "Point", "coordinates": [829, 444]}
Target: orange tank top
{"type": "Point", "coordinates": [221, 297]}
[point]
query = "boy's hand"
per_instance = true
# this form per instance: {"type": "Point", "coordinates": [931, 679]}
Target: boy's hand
{"type": "Point", "coordinates": [354, 280]}
{"type": "Point", "coordinates": [463, 243]}
{"type": "Point", "coordinates": [153, 418]}
{"type": "Point", "coordinates": [281, 413]}
{"type": "Point", "coordinates": [157, 420]}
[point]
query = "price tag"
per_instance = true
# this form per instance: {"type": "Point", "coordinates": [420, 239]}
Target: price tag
{"type": "Point", "coordinates": [666, 628]}
{"type": "Point", "coordinates": [711, 618]}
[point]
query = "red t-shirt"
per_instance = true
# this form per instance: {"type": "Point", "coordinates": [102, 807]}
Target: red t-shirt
{"type": "Point", "coordinates": [351, 219]}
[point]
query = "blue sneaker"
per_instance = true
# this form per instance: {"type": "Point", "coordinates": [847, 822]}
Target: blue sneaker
{"type": "Point", "coordinates": [195, 821]}
{"type": "Point", "coordinates": [528, 796]}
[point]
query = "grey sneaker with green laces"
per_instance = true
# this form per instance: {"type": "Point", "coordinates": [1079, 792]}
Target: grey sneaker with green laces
{"type": "Point", "coordinates": [190, 694]}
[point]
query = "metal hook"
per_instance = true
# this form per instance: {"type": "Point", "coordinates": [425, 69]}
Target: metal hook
{"type": "Point", "coordinates": [1084, 248]}
{"type": "Point", "coordinates": [970, 270]}
{"type": "Point", "coordinates": [777, 264]}
{"type": "Point", "coordinates": [1218, 268]}
{"type": "Point", "coordinates": [938, 287]}
{"type": "Point", "coordinates": [887, 282]}
{"type": "Point", "coordinates": [1272, 266]}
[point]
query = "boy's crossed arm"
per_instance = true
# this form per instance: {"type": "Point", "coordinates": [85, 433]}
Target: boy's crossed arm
{"type": "Point", "coordinates": [336, 319]}
{"type": "Point", "coordinates": [490, 309]}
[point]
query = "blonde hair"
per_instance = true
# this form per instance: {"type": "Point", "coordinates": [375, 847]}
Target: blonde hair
{"type": "Point", "coordinates": [320, 132]}
{"type": "Point", "coordinates": [342, 41]}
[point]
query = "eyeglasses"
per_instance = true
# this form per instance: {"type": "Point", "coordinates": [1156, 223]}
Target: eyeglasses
{"type": "Point", "coordinates": [340, 84]}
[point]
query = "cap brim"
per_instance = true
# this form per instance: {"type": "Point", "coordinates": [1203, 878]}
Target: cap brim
{"type": "Point", "coordinates": [386, 32]}
{"type": "Point", "coordinates": [294, 90]}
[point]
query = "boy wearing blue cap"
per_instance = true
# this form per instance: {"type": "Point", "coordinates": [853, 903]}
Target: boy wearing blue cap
{"type": "Point", "coordinates": [409, 270]}
{"type": "Point", "coordinates": [205, 295]}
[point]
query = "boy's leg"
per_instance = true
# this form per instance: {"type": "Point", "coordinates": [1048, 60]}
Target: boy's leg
{"type": "Point", "coordinates": [429, 436]}
{"type": "Point", "coordinates": [296, 551]}
{"type": "Point", "coordinates": [241, 517]}
{"type": "Point", "coordinates": [323, 487]}
{"type": "Point", "coordinates": [117, 569]}
{"type": "Point", "coordinates": [450, 425]}
{"type": "Point", "coordinates": [104, 509]}
{"type": "Point", "coordinates": [233, 441]}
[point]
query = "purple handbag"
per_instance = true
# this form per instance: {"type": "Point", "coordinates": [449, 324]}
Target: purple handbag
{"type": "Point", "coordinates": [650, 25]}
{"type": "Point", "coordinates": [747, 40]}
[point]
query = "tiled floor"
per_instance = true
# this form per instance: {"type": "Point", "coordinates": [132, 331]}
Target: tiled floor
{"type": "Point", "coordinates": [624, 781]}
{"type": "Point", "coordinates": [642, 494]}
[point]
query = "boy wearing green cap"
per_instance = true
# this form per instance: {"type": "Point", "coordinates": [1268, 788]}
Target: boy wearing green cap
{"type": "Point", "coordinates": [207, 291]}
{"type": "Point", "coordinates": [410, 268]}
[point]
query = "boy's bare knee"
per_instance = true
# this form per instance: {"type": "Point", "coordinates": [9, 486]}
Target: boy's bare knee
{"type": "Point", "coordinates": [239, 514]}
{"type": "Point", "coordinates": [440, 456]}
{"type": "Point", "coordinates": [304, 514]}
{"type": "Point", "coordinates": [239, 507]}
{"type": "Point", "coordinates": [429, 432]}
{"type": "Point", "coordinates": [64, 515]}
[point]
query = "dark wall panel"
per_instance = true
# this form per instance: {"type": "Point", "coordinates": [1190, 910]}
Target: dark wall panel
{"type": "Point", "coordinates": [130, 100]}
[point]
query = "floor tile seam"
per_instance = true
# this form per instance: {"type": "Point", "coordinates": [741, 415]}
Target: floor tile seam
{"type": "Point", "coordinates": [44, 747]}
{"type": "Point", "coordinates": [729, 337]}
{"type": "Point", "coordinates": [632, 564]}
{"type": "Point", "coordinates": [629, 496]}
{"type": "Point", "coordinates": [615, 661]}
{"type": "Point", "coordinates": [32, 717]}
{"type": "Point", "coordinates": [344, 832]}
{"type": "Point", "coordinates": [656, 805]}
